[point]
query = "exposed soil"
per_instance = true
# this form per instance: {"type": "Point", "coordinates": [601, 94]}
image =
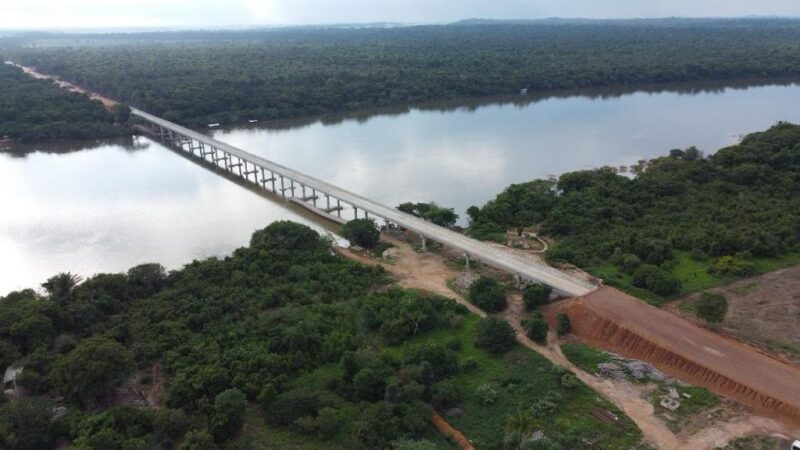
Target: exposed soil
{"type": "Point", "coordinates": [447, 429]}
{"type": "Point", "coordinates": [615, 321]}
{"type": "Point", "coordinates": [107, 102]}
{"type": "Point", "coordinates": [763, 310]}
{"type": "Point", "coordinates": [429, 271]}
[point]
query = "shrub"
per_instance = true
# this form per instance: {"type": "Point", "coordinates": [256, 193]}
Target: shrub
{"type": "Point", "coordinates": [564, 325]}
{"type": "Point", "coordinates": [362, 232]}
{"type": "Point", "coordinates": [656, 279]}
{"type": "Point", "coordinates": [487, 394]}
{"type": "Point", "coordinates": [568, 380]}
{"type": "Point", "coordinates": [536, 295]}
{"type": "Point", "coordinates": [494, 335]}
{"type": "Point", "coordinates": [732, 266]}
{"type": "Point", "coordinates": [711, 307]}
{"type": "Point", "coordinates": [94, 367]}
{"type": "Point", "coordinates": [536, 328]}
{"type": "Point", "coordinates": [227, 417]}
{"type": "Point", "coordinates": [486, 293]}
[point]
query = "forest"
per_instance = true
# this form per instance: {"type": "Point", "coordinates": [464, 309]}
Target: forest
{"type": "Point", "coordinates": [37, 110]}
{"type": "Point", "coordinates": [672, 224]}
{"type": "Point", "coordinates": [283, 344]}
{"type": "Point", "coordinates": [197, 78]}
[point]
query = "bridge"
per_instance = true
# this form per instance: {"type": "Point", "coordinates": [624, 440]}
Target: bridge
{"type": "Point", "coordinates": [309, 193]}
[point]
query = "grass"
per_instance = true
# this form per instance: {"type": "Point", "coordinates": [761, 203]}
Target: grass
{"type": "Point", "coordinates": [521, 377]}
{"type": "Point", "coordinates": [693, 275]}
{"type": "Point", "coordinates": [585, 357]}
{"type": "Point", "coordinates": [701, 399]}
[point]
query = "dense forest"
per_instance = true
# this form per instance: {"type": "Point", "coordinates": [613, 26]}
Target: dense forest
{"type": "Point", "coordinates": [309, 349]}
{"type": "Point", "coordinates": [673, 224]}
{"type": "Point", "coordinates": [36, 110]}
{"type": "Point", "coordinates": [197, 78]}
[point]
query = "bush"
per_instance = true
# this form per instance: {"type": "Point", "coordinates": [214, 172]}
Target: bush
{"type": "Point", "coordinates": [732, 266]}
{"type": "Point", "coordinates": [536, 295]}
{"type": "Point", "coordinates": [227, 417]}
{"type": "Point", "coordinates": [494, 335]}
{"type": "Point", "coordinates": [711, 307]}
{"type": "Point", "coordinates": [489, 295]}
{"type": "Point", "coordinates": [487, 394]}
{"type": "Point", "coordinates": [536, 328]}
{"type": "Point", "coordinates": [362, 232]}
{"type": "Point", "coordinates": [564, 325]}
{"type": "Point", "coordinates": [656, 279]}
{"type": "Point", "coordinates": [92, 369]}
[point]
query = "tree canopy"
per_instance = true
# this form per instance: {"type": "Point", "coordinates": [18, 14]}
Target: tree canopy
{"type": "Point", "coordinates": [197, 78]}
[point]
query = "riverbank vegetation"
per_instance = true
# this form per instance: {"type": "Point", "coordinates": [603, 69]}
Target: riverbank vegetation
{"type": "Point", "coordinates": [677, 223]}
{"type": "Point", "coordinates": [283, 343]}
{"type": "Point", "coordinates": [197, 78]}
{"type": "Point", "coordinates": [34, 110]}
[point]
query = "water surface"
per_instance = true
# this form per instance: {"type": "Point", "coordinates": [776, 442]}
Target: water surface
{"type": "Point", "coordinates": [106, 207]}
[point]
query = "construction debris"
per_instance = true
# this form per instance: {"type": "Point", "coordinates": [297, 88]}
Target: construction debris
{"type": "Point", "coordinates": [670, 403]}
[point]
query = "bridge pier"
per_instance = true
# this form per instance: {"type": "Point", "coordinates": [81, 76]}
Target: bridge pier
{"type": "Point", "coordinates": [215, 152]}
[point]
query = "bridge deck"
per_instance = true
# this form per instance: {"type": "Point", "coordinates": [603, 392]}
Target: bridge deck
{"type": "Point", "coordinates": [504, 260]}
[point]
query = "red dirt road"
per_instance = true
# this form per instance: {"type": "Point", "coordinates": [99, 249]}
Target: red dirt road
{"type": "Point", "coordinates": [613, 320]}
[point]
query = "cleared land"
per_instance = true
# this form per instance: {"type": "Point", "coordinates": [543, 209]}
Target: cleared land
{"type": "Point", "coordinates": [763, 310]}
{"type": "Point", "coordinates": [613, 320]}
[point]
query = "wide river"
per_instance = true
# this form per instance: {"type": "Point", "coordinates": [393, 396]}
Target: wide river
{"type": "Point", "coordinates": [87, 208]}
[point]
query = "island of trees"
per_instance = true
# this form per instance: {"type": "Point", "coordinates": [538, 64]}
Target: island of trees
{"type": "Point", "coordinates": [36, 110]}
{"type": "Point", "coordinates": [672, 224]}
{"type": "Point", "coordinates": [197, 78]}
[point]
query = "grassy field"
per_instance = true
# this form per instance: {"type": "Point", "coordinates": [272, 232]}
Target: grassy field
{"type": "Point", "coordinates": [585, 357]}
{"type": "Point", "coordinates": [693, 275]}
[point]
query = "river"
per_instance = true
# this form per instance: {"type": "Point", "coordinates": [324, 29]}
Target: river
{"type": "Point", "coordinates": [91, 207]}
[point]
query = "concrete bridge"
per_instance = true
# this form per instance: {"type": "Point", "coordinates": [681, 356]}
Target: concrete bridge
{"type": "Point", "coordinates": [330, 201]}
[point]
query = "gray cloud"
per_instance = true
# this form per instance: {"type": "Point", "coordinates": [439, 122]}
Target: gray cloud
{"type": "Point", "coordinates": [215, 13]}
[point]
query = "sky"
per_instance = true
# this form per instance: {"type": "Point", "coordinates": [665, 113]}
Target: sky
{"type": "Point", "coordinates": [62, 14]}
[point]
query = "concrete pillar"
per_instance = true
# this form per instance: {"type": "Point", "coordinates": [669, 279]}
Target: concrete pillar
{"type": "Point", "coordinates": [314, 195]}
{"type": "Point", "coordinates": [338, 208]}
{"type": "Point", "coordinates": [466, 259]}
{"type": "Point", "coordinates": [283, 189]}
{"type": "Point", "coordinates": [327, 202]}
{"type": "Point", "coordinates": [355, 212]}
{"type": "Point", "coordinates": [517, 281]}
{"type": "Point", "coordinates": [424, 243]}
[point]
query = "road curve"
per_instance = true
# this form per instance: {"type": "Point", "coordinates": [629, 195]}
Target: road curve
{"type": "Point", "coordinates": [498, 258]}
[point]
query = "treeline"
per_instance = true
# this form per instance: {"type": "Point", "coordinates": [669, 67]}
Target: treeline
{"type": "Point", "coordinates": [198, 78]}
{"type": "Point", "coordinates": [722, 211]}
{"type": "Point", "coordinates": [37, 110]}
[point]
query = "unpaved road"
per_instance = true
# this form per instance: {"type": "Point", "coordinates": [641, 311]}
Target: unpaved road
{"type": "Point", "coordinates": [427, 271]}
{"type": "Point", "coordinates": [622, 323]}
{"type": "Point", "coordinates": [107, 102]}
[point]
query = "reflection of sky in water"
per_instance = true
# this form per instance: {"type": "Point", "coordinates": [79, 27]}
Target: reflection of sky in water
{"type": "Point", "coordinates": [108, 208]}
{"type": "Point", "coordinates": [463, 158]}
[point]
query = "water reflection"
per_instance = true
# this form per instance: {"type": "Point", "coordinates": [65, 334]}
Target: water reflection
{"type": "Point", "coordinates": [89, 207]}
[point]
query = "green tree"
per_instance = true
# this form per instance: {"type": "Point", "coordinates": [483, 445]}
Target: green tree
{"type": "Point", "coordinates": [59, 286]}
{"type": "Point", "coordinates": [486, 293]}
{"type": "Point", "coordinates": [563, 324]}
{"type": "Point", "coordinates": [712, 307]}
{"type": "Point", "coordinates": [29, 424]}
{"type": "Point", "coordinates": [536, 295]}
{"type": "Point", "coordinates": [228, 414]}
{"type": "Point", "coordinates": [92, 369]}
{"type": "Point", "coordinates": [494, 335]}
{"type": "Point", "coordinates": [536, 328]}
{"type": "Point", "coordinates": [362, 232]}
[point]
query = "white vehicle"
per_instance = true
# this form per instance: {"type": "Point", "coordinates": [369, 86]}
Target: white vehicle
{"type": "Point", "coordinates": [796, 445]}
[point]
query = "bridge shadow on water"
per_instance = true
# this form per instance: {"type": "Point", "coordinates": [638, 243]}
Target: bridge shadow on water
{"type": "Point", "coordinates": [327, 225]}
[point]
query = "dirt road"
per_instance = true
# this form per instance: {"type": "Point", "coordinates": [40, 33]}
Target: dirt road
{"type": "Point", "coordinates": [613, 320]}
{"type": "Point", "coordinates": [427, 271]}
{"type": "Point", "coordinates": [107, 102]}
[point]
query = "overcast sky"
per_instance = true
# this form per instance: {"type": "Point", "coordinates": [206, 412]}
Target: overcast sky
{"type": "Point", "coordinates": [17, 14]}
